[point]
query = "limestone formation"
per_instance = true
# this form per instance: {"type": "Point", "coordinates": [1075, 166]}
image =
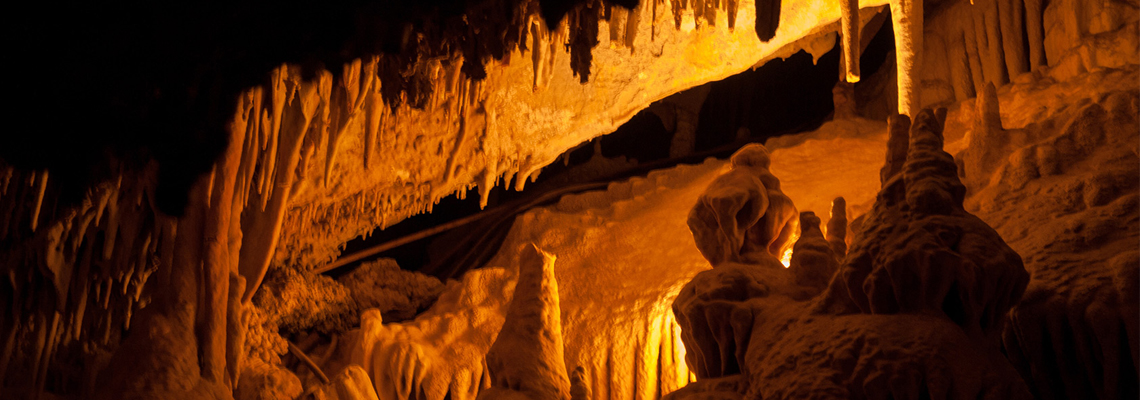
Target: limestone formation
{"type": "Point", "coordinates": [837, 228]}
{"type": "Point", "coordinates": [134, 273]}
{"type": "Point", "coordinates": [526, 358]}
{"type": "Point", "coordinates": [743, 215]}
{"type": "Point", "coordinates": [351, 384]}
{"type": "Point", "coordinates": [850, 28]}
{"type": "Point", "coordinates": [898, 127]}
{"type": "Point", "coordinates": [921, 252]}
{"type": "Point", "coordinates": [907, 17]}
{"type": "Point", "coordinates": [918, 301]}
{"type": "Point", "coordinates": [813, 262]}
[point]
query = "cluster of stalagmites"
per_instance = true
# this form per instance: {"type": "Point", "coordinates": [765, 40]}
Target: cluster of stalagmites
{"type": "Point", "coordinates": [910, 311]}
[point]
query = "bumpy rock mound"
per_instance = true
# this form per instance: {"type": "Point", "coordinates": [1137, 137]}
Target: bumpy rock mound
{"type": "Point", "coordinates": [920, 252]}
{"type": "Point", "coordinates": [740, 224]}
{"type": "Point", "coordinates": [912, 312]}
{"type": "Point", "coordinates": [743, 215]}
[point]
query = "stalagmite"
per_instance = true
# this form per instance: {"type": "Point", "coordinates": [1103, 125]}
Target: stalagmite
{"type": "Point", "coordinates": [898, 139]}
{"type": "Point", "coordinates": [849, 10]}
{"type": "Point", "coordinates": [837, 228]}
{"type": "Point", "coordinates": [813, 262]}
{"type": "Point", "coordinates": [988, 141]}
{"type": "Point", "coordinates": [351, 384]}
{"type": "Point", "coordinates": [526, 359]}
{"type": "Point", "coordinates": [906, 16]}
{"type": "Point", "coordinates": [579, 389]}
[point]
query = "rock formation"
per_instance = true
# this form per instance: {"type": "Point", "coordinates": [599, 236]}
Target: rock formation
{"type": "Point", "coordinates": [837, 228]}
{"type": "Point", "coordinates": [813, 261]}
{"type": "Point", "coordinates": [137, 258]}
{"type": "Point", "coordinates": [743, 215]}
{"type": "Point", "coordinates": [919, 299]}
{"type": "Point", "coordinates": [526, 360]}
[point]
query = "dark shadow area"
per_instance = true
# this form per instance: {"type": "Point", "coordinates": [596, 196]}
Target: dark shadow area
{"type": "Point", "coordinates": [643, 138]}
{"type": "Point", "coordinates": [102, 87]}
{"type": "Point", "coordinates": [778, 98]}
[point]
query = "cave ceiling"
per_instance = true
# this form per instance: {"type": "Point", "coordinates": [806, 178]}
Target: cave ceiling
{"type": "Point", "coordinates": [442, 97]}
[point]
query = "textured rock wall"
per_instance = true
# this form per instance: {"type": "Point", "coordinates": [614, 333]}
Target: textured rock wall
{"type": "Point", "coordinates": [972, 43]}
{"type": "Point", "coordinates": [1061, 188]}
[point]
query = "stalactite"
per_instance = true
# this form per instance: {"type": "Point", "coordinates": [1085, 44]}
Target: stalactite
{"type": "Point", "coordinates": [956, 54]}
{"type": "Point", "coordinates": [217, 258]}
{"type": "Point", "coordinates": [973, 55]}
{"type": "Point", "coordinates": [633, 18]}
{"type": "Point", "coordinates": [461, 134]}
{"type": "Point", "coordinates": [988, 30]}
{"type": "Point", "coordinates": [278, 93]}
{"type": "Point", "coordinates": [373, 105]}
{"type": "Point", "coordinates": [41, 188]}
{"type": "Point", "coordinates": [9, 344]}
{"type": "Point", "coordinates": [849, 10]}
{"type": "Point", "coordinates": [252, 138]}
{"type": "Point", "coordinates": [257, 253]}
{"type": "Point", "coordinates": [1034, 26]}
{"type": "Point", "coordinates": [906, 16]}
{"type": "Point", "coordinates": [1011, 13]}
{"type": "Point", "coordinates": [356, 84]}
{"type": "Point", "coordinates": [768, 19]}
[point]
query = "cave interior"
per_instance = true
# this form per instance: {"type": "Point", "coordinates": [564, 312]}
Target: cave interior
{"type": "Point", "coordinates": [572, 200]}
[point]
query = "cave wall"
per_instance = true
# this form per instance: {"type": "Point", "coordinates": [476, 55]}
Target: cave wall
{"type": "Point", "coordinates": [972, 43]}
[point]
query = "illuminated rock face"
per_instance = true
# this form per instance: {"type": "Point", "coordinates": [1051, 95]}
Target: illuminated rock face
{"type": "Point", "coordinates": [315, 161]}
{"type": "Point", "coordinates": [503, 129]}
{"type": "Point", "coordinates": [919, 300]}
{"type": "Point", "coordinates": [526, 359]}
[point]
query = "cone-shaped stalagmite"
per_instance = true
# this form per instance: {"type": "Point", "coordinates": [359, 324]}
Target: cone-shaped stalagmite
{"type": "Point", "coordinates": [898, 129]}
{"type": "Point", "coordinates": [921, 252]}
{"type": "Point", "coordinates": [837, 227]}
{"type": "Point", "coordinates": [813, 263]}
{"type": "Point", "coordinates": [526, 362]}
